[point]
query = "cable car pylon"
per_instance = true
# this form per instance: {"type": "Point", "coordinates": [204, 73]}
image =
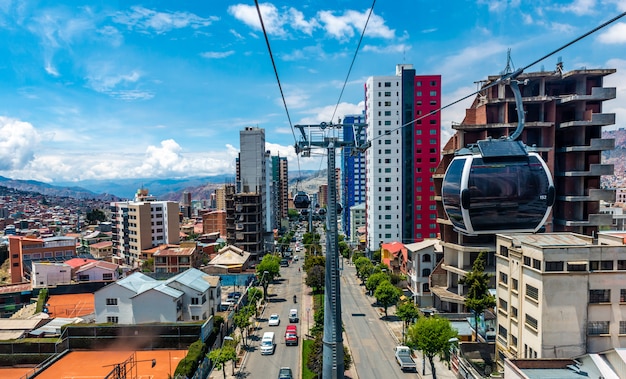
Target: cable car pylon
{"type": "Point", "coordinates": [332, 353]}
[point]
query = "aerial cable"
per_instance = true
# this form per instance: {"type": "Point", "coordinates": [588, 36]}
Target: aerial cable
{"type": "Point", "coordinates": [507, 76]}
{"type": "Point", "coordinates": [282, 94]}
{"type": "Point", "coordinates": [345, 82]}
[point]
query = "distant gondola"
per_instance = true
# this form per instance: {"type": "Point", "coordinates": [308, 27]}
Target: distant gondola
{"type": "Point", "coordinates": [301, 200]}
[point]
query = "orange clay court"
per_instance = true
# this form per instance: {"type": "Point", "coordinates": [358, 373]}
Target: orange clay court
{"type": "Point", "coordinates": [75, 305]}
{"type": "Point", "coordinates": [97, 364]}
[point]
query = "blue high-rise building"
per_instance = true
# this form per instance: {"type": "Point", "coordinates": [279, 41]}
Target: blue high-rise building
{"type": "Point", "coordinates": [352, 169]}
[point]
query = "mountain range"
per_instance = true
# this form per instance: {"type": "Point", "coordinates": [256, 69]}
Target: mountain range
{"type": "Point", "coordinates": [201, 187]}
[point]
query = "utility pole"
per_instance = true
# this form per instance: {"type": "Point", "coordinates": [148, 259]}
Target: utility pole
{"type": "Point", "coordinates": [316, 136]}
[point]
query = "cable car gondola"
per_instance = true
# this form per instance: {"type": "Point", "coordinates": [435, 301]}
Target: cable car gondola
{"type": "Point", "coordinates": [498, 186]}
{"type": "Point", "coordinates": [301, 200]}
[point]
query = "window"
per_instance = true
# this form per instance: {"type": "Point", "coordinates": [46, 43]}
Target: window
{"type": "Point", "coordinates": [194, 301]}
{"type": "Point", "coordinates": [111, 301]}
{"type": "Point", "coordinates": [387, 84]}
{"type": "Point", "coordinates": [527, 261]}
{"type": "Point", "coordinates": [513, 312]}
{"type": "Point", "coordinates": [622, 296]}
{"type": "Point", "coordinates": [387, 94]}
{"type": "Point", "coordinates": [504, 251]}
{"type": "Point", "coordinates": [503, 305]}
{"type": "Point", "coordinates": [433, 93]}
{"type": "Point", "coordinates": [433, 102]}
{"type": "Point", "coordinates": [425, 272]}
{"type": "Point", "coordinates": [621, 265]}
{"type": "Point", "coordinates": [504, 278]}
{"type": "Point", "coordinates": [426, 258]}
{"type": "Point", "coordinates": [113, 319]}
{"type": "Point", "coordinates": [532, 292]}
{"type": "Point", "coordinates": [576, 266]}
{"type": "Point", "coordinates": [433, 83]}
{"type": "Point", "coordinates": [387, 103]}
{"type": "Point", "coordinates": [599, 296]}
{"type": "Point", "coordinates": [513, 340]}
{"type": "Point", "coordinates": [502, 331]}
{"type": "Point", "coordinates": [531, 321]}
{"type": "Point", "coordinates": [419, 93]}
{"type": "Point", "coordinates": [554, 266]}
{"type": "Point", "coordinates": [387, 113]}
{"type": "Point", "coordinates": [536, 264]}
{"type": "Point", "coordinates": [107, 276]}
{"type": "Point", "coordinates": [195, 318]}
{"type": "Point", "coordinates": [595, 328]}
{"type": "Point", "coordinates": [600, 265]}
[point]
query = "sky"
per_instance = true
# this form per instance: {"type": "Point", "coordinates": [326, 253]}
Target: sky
{"type": "Point", "coordinates": [160, 89]}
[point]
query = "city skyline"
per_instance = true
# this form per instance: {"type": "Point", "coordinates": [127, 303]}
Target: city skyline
{"type": "Point", "coordinates": [100, 91]}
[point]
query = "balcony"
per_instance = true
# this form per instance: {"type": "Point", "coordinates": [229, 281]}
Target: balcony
{"type": "Point", "coordinates": [597, 144]}
{"type": "Point", "coordinates": [597, 119]}
{"type": "Point", "coordinates": [597, 94]}
{"type": "Point", "coordinates": [594, 195]}
{"type": "Point", "coordinates": [594, 220]}
{"type": "Point", "coordinates": [594, 170]}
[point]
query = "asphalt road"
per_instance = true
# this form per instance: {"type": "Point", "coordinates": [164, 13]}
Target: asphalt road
{"type": "Point", "coordinates": [370, 343]}
{"type": "Point", "coordinates": [280, 301]}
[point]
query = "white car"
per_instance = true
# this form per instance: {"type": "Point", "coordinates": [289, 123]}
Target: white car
{"type": "Point", "coordinates": [274, 320]}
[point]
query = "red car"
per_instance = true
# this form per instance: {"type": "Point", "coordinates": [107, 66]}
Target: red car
{"type": "Point", "coordinates": [291, 335]}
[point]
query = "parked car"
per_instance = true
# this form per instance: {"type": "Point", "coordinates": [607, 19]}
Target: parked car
{"type": "Point", "coordinates": [285, 373]}
{"type": "Point", "coordinates": [291, 335]}
{"type": "Point", "coordinates": [404, 358]}
{"type": "Point", "coordinates": [274, 320]}
{"type": "Point", "coordinates": [284, 262]}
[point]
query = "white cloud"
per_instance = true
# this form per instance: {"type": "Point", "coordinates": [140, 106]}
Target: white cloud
{"type": "Point", "coordinates": [579, 7]}
{"type": "Point", "coordinates": [324, 114]}
{"type": "Point", "coordinates": [617, 80]}
{"type": "Point", "coordinates": [387, 49]}
{"type": "Point", "coordinates": [616, 34]}
{"type": "Point", "coordinates": [456, 66]}
{"type": "Point", "coordinates": [18, 142]}
{"type": "Point", "coordinates": [248, 14]}
{"type": "Point", "coordinates": [146, 20]}
{"type": "Point", "coordinates": [352, 22]}
{"type": "Point", "coordinates": [299, 23]}
{"type": "Point", "coordinates": [217, 54]}
{"type": "Point", "coordinates": [500, 5]}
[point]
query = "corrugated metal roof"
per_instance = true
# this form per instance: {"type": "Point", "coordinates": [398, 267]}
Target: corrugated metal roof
{"type": "Point", "coordinates": [192, 278]}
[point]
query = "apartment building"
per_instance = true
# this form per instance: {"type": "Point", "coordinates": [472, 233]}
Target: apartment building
{"type": "Point", "coordinates": [214, 221]}
{"type": "Point", "coordinates": [422, 259]}
{"type": "Point", "coordinates": [24, 250]}
{"type": "Point", "coordinates": [142, 224]}
{"type": "Point", "coordinates": [563, 123]}
{"type": "Point", "coordinates": [177, 258]}
{"type": "Point", "coordinates": [400, 203]}
{"type": "Point", "coordinates": [352, 170]}
{"type": "Point", "coordinates": [560, 295]}
{"type": "Point", "coordinates": [280, 178]}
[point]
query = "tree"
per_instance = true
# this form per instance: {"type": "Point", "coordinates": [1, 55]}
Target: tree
{"type": "Point", "coordinates": [478, 297]}
{"type": "Point", "coordinates": [95, 215]}
{"type": "Point", "coordinates": [254, 295]}
{"type": "Point", "coordinates": [387, 294]}
{"type": "Point", "coordinates": [267, 270]}
{"type": "Point", "coordinates": [374, 280]}
{"type": "Point", "coordinates": [242, 320]}
{"type": "Point", "coordinates": [344, 249]}
{"type": "Point", "coordinates": [432, 336]}
{"type": "Point", "coordinates": [407, 312]}
{"type": "Point", "coordinates": [313, 260]}
{"type": "Point", "coordinates": [222, 355]}
{"type": "Point", "coordinates": [148, 265]}
{"type": "Point", "coordinates": [315, 278]}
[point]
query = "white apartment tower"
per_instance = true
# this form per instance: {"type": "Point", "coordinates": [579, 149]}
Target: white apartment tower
{"type": "Point", "coordinates": [383, 160]}
{"type": "Point", "coordinates": [142, 224]}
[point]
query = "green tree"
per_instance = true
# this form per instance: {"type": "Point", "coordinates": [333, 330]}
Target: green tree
{"type": "Point", "coordinates": [267, 270]}
{"type": "Point", "coordinates": [95, 215]}
{"type": "Point", "coordinates": [313, 260]}
{"type": "Point", "coordinates": [344, 249]}
{"type": "Point", "coordinates": [432, 336]}
{"type": "Point", "coordinates": [407, 311]}
{"type": "Point", "coordinates": [478, 298]}
{"type": "Point", "coordinates": [315, 278]}
{"type": "Point", "coordinates": [148, 265]}
{"type": "Point", "coordinates": [220, 356]}
{"type": "Point", "coordinates": [387, 294]}
{"type": "Point", "coordinates": [242, 320]}
{"type": "Point", "coordinates": [364, 270]}
{"type": "Point", "coordinates": [374, 280]}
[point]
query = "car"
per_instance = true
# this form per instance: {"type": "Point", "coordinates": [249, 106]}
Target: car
{"type": "Point", "coordinates": [234, 295]}
{"type": "Point", "coordinates": [291, 335]}
{"type": "Point", "coordinates": [296, 258]}
{"type": "Point", "coordinates": [285, 373]}
{"type": "Point", "coordinates": [274, 320]}
{"type": "Point", "coordinates": [284, 263]}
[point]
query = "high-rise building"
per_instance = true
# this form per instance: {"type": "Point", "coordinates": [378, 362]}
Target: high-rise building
{"type": "Point", "coordinates": [563, 122]}
{"type": "Point", "coordinates": [252, 223]}
{"type": "Point", "coordinates": [352, 169]}
{"type": "Point", "coordinates": [404, 152]}
{"type": "Point", "coordinates": [280, 177]}
{"type": "Point", "coordinates": [24, 250]}
{"type": "Point", "coordinates": [142, 224]}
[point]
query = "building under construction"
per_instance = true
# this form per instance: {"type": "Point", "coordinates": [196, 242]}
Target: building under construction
{"type": "Point", "coordinates": [563, 123]}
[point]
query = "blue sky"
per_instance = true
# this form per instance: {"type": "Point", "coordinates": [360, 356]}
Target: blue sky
{"type": "Point", "coordinates": [156, 89]}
